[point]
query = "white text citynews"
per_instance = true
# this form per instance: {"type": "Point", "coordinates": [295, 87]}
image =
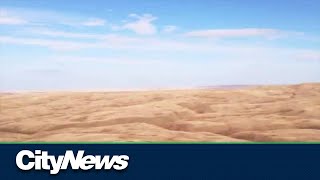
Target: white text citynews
{"type": "Point", "coordinates": [41, 160]}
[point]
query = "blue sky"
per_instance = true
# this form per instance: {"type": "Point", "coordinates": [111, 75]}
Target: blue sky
{"type": "Point", "coordinates": [123, 44]}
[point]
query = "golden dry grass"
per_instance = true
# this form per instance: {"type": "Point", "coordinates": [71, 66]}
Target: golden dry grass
{"type": "Point", "coordinates": [268, 113]}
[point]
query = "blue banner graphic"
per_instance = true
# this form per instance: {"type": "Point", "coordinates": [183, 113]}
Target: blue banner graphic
{"type": "Point", "coordinates": [160, 161]}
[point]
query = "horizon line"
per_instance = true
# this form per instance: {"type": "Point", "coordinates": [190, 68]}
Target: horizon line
{"type": "Point", "coordinates": [208, 87]}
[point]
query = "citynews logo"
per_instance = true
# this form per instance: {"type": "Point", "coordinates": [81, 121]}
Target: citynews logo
{"type": "Point", "coordinates": [40, 160]}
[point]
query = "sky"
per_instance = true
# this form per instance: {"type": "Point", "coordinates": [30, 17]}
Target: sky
{"type": "Point", "coordinates": [150, 44]}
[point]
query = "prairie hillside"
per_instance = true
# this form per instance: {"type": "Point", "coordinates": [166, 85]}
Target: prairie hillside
{"type": "Point", "coordinates": [266, 113]}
